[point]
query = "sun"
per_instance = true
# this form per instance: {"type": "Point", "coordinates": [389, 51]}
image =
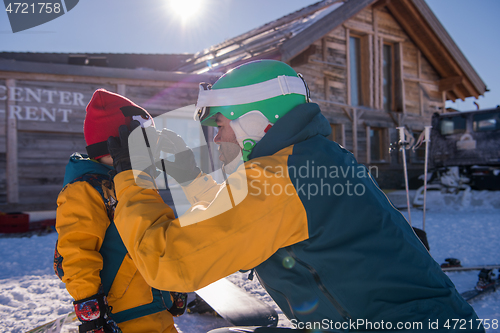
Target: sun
{"type": "Point", "coordinates": [186, 9]}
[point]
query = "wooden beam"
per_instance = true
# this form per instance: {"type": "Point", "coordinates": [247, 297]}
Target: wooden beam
{"type": "Point", "coordinates": [272, 26]}
{"type": "Point", "coordinates": [425, 30]}
{"type": "Point", "coordinates": [395, 120]}
{"type": "Point", "coordinates": [324, 49]}
{"type": "Point", "coordinates": [348, 62]}
{"type": "Point", "coordinates": [380, 4]}
{"type": "Point", "coordinates": [417, 80]}
{"type": "Point", "coordinates": [342, 134]}
{"type": "Point", "coordinates": [348, 114]}
{"type": "Point", "coordinates": [376, 64]}
{"type": "Point", "coordinates": [11, 175]}
{"type": "Point", "coordinates": [368, 145]}
{"type": "Point", "coordinates": [450, 83]}
{"type": "Point", "coordinates": [451, 47]}
{"type": "Point", "coordinates": [400, 76]}
{"type": "Point", "coordinates": [121, 89]}
{"type": "Point", "coordinates": [331, 64]}
{"type": "Point", "coordinates": [113, 75]}
{"type": "Point", "coordinates": [423, 36]}
{"type": "Point", "coordinates": [355, 133]}
{"type": "Point", "coordinates": [459, 93]}
{"type": "Point", "coordinates": [419, 75]}
{"type": "Point", "coordinates": [360, 28]}
{"type": "Point", "coordinates": [326, 82]}
{"type": "Point", "coordinates": [369, 77]}
{"type": "Point", "coordinates": [101, 80]}
{"type": "Point", "coordinates": [381, 72]}
{"type": "Point", "coordinates": [366, 69]}
{"type": "Point", "coordinates": [468, 86]}
{"type": "Point", "coordinates": [320, 28]}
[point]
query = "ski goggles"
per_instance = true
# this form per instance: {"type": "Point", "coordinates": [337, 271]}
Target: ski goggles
{"type": "Point", "coordinates": [201, 112]}
{"type": "Point", "coordinates": [279, 86]}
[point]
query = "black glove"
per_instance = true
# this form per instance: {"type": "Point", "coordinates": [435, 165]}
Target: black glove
{"type": "Point", "coordinates": [179, 303]}
{"type": "Point", "coordinates": [94, 313]}
{"type": "Point", "coordinates": [184, 168]}
{"type": "Point", "coordinates": [137, 156]}
{"type": "Point", "coordinates": [118, 147]}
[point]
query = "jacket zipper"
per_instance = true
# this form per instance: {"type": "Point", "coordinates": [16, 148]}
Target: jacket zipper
{"type": "Point", "coordinates": [343, 313]}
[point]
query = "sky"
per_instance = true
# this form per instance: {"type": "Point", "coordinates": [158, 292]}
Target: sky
{"type": "Point", "coordinates": [156, 26]}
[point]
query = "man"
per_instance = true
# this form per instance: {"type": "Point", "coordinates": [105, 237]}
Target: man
{"type": "Point", "coordinates": [324, 240]}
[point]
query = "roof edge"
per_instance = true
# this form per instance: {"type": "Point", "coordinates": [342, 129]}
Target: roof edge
{"type": "Point", "coordinates": [301, 41]}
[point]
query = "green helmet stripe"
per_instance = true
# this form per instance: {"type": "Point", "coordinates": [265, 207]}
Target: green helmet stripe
{"type": "Point", "coordinates": [269, 86]}
{"type": "Point", "coordinates": [282, 85]}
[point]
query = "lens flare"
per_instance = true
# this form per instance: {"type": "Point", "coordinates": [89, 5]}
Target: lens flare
{"type": "Point", "coordinates": [307, 307]}
{"type": "Point", "coordinates": [288, 262]}
{"type": "Point", "coordinates": [186, 9]}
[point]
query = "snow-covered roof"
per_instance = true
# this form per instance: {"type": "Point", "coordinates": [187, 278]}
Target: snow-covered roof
{"type": "Point", "coordinates": [289, 36]}
{"type": "Point", "coordinates": [265, 40]}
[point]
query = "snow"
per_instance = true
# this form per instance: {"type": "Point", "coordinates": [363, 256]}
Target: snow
{"type": "Point", "coordinates": [463, 225]}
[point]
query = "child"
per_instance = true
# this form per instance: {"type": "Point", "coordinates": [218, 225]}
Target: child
{"type": "Point", "coordinates": [110, 294]}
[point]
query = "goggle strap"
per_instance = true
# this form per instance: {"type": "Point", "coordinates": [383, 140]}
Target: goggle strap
{"type": "Point", "coordinates": [279, 86]}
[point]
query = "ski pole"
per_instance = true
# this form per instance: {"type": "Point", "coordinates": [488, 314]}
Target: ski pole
{"type": "Point", "coordinates": [403, 149]}
{"type": "Point", "coordinates": [427, 139]}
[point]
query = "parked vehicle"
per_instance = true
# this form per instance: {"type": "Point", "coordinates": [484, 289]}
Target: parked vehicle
{"type": "Point", "coordinates": [465, 149]}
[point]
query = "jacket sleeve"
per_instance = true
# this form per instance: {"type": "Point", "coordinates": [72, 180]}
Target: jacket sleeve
{"type": "Point", "coordinates": [81, 222]}
{"type": "Point", "coordinates": [202, 189]}
{"type": "Point", "coordinates": [235, 231]}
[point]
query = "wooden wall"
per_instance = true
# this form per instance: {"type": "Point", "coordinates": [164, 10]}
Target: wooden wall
{"type": "Point", "coordinates": [3, 149]}
{"type": "Point", "coordinates": [327, 73]}
{"type": "Point", "coordinates": [41, 125]}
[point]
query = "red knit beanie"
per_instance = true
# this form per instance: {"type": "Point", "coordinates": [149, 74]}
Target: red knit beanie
{"type": "Point", "coordinates": [106, 112]}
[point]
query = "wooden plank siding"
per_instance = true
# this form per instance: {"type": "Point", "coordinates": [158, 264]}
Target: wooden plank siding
{"type": "Point", "coordinates": [42, 106]}
{"type": "Point", "coordinates": [41, 124]}
{"type": "Point", "coordinates": [327, 73]}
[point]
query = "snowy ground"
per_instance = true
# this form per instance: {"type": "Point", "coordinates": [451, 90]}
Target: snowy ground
{"type": "Point", "coordinates": [462, 226]}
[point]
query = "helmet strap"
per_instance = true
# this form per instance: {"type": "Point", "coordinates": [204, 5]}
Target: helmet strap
{"type": "Point", "coordinates": [248, 145]}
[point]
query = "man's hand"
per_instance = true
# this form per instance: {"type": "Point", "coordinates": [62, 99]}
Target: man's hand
{"type": "Point", "coordinates": [183, 169]}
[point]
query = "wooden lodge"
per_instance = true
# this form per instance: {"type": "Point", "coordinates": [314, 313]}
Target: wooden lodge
{"type": "Point", "coordinates": [371, 65]}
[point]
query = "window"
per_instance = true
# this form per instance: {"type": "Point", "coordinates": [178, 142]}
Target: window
{"type": "Point", "coordinates": [452, 125]}
{"type": "Point", "coordinates": [360, 71]}
{"type": "Point", "coordinates": [388, 77]}
{"type": "Point", "coordinates": [377, 145]}
{"type": "Point", "coordinates": [485, 122]}
{"type": "Point", "coordinates": [337, 134]}
{"type": "Point", "coordinates": [355, 70]}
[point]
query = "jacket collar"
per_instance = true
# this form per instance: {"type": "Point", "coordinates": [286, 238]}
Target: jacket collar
{"type": "Point", "coordinates": [301, 123]}
{"type": "Point", "coordinates": [81, 164]}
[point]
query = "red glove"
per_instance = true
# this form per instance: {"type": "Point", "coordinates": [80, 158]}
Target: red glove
{"type": "Point", "coordinates": [94, 313]}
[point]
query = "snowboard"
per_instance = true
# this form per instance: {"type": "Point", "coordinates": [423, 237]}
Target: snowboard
{"type": "Point", "coordinates": [237, 306]}
{"type": "Point", "coordinates": [469, 268]}
{"type": "Point", "coordinates": [54, 326]}
{"type": "Point", "coordinates": [485, 285]}
{"type": "Point", "coordinates": [454, 265]}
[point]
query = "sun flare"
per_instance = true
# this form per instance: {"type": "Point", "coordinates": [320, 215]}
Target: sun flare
{"type": "Point", "coordinates": [186, 9]}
